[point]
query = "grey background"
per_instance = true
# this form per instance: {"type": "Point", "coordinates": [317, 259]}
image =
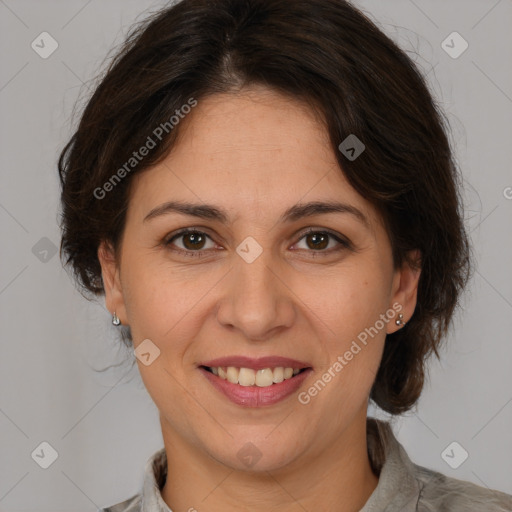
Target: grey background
{"type": "Point", "coordinates": [104, 426]}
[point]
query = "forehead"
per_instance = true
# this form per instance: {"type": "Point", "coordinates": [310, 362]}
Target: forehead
{"type": "Point", "coordinates": [251, 152]}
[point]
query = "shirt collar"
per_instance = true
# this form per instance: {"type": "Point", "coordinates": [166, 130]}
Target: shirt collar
{"type": "Point", "coordinates": [155, 475]}
{"type": "Point", "coordinates": [398, 489]}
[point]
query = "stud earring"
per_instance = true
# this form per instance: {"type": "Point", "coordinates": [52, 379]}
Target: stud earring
{"type": "Point", "coordinates": [399, 321]}
{"type": "Point", "coordinates": [115, 319]}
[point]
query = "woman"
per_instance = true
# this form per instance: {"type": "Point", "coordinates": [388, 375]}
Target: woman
{"type": "Point", "coordinates": [265, 194]}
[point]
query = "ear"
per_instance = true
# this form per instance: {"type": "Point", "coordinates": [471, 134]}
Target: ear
{"type": "Point", "coordinates": [114, 299]}
{"type": "Point", "coordinates": [405, 288]}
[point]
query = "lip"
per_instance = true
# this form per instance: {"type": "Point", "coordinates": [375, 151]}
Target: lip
{"type": "Point", "coordinates": [256, 364]}
{"type": "Point", "coordinates": [255, 396]}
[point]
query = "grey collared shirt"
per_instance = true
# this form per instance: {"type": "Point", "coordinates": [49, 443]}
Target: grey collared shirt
{"type": "Point", "coordinates": [403, 486]}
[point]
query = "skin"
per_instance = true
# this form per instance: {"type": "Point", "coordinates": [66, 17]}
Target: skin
{"type": "Point", "coordinates": [256, 153]}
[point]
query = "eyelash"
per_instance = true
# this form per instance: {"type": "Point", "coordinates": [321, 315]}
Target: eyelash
{"type": "Point", "coordinates": [344, 244]}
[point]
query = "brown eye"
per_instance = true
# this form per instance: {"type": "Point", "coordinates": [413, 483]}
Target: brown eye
{"type": "Point", "coordinates": [318, 241]}
{"type": "Point", "coordinates": [193, 242]}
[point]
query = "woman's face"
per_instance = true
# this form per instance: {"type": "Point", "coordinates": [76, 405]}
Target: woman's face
{"type": "Point", "coordinates": [254, 284]}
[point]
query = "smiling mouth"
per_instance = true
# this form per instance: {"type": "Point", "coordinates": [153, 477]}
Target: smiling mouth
{"type": "Point", "coordinates": [246, 377]}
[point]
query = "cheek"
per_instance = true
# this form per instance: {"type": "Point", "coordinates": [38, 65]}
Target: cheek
{"type": "Point", "coordinates": [347, 300]}
{"type": "Point", "coordinates": [351, 331]}
{"type": "Point", "coordinates": [161, 298]}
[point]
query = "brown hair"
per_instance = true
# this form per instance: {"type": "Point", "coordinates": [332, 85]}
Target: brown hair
{"type": "Point", "coordinates": [328, 54]}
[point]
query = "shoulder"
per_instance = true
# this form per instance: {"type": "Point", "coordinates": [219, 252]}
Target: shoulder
{"type": "Point", "coordinates": [442, 493]}
{"type": "Point", "coordinates": [408, 487]}
{"type": "Point", "coordinates": [132, 504]}
{"type": "Point", "coordinates": [149, 497]}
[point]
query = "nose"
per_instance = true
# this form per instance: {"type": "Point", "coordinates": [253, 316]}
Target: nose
{"type": "Point", "coordinates": [256, 300]}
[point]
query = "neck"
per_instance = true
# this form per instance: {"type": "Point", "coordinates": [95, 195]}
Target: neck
{"type": "Point", "coordinates": [339, 478]}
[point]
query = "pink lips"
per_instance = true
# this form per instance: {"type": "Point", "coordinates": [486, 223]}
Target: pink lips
{"type": "Point", "coordinates": [255, 396]}
{"type": "Point", "coordinates": [256, 364]}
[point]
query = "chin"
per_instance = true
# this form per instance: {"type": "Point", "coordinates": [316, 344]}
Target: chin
{"type": "Point", "coordinates": [256, 453]}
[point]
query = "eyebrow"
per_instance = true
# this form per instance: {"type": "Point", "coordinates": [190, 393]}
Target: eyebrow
{"type": "Point", "coordinates": [296, 212]}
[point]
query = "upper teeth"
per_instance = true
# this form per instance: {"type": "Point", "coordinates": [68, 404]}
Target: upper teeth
{"type": "Point", "coordinates": [250, 377]}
